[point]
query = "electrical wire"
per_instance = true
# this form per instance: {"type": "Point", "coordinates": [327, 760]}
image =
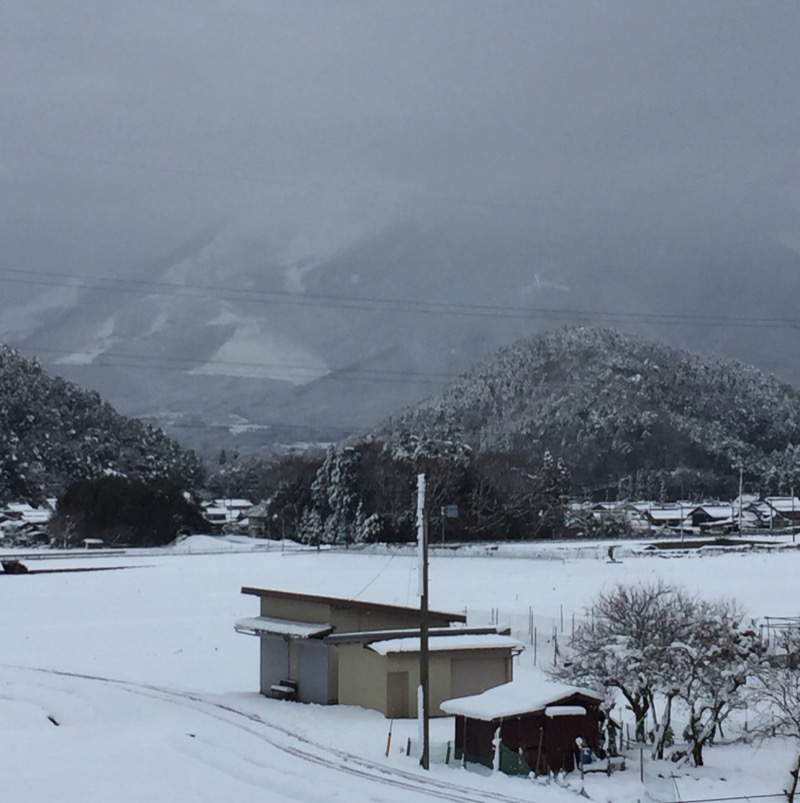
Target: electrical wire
{"type": "Point", "coordinates": [375, 304]}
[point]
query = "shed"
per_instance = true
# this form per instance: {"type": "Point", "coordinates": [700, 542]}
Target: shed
{"type": "Point", "coordinates": [535, 723]}
{"type": "Point", "coordinates": [292, 628]}
{"type": "Point", "coordinates": [382, 670]}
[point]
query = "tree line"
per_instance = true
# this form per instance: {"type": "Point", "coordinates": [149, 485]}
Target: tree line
{"type": "Point", "coordinates": [367, 493]}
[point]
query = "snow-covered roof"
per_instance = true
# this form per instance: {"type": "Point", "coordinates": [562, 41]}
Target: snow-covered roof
{"type": "Point", "coordinates": [511, 699]}
{"type": "Point", "coordinates": [258, 625]}
{"type": "Point", "coordinates": [669, 514]}
{"type": "Point", "coordinates": [783, 504]}
{"type": "Point", "coordinates": [25, 512]}
{"type": "Point", "coordinates": [440, 643]}
{"type": "Point", "coordinates": [241, 504]}
{"type": "Point", "coordinates": [718, 511]}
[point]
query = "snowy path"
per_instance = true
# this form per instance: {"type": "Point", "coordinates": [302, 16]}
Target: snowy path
{"type": "Point", "coordinates": [238, 753]}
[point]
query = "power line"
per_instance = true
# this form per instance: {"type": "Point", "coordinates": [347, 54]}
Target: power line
{"type": "Point", "coordinates": [380, 304]}
{"type": "Point", "coordinates": [157, 363]}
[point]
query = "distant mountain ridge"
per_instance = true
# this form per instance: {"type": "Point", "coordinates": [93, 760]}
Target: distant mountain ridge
{"type": "Point", "coordinates": [52, 433]}
{"type": "Point", "coordinates": [228, 335]}
{"type": "Point", "coordinates": [613, 404]}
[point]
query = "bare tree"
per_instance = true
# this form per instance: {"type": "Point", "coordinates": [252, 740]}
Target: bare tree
{"type": "Point", "coordinates": [624, 642]}
{"type": "Point", "coordinates": [778, 693]}
{"type": "Point", "coordinates": [654, 642]}
{"type": "Point", "coordinates": [714, 664]}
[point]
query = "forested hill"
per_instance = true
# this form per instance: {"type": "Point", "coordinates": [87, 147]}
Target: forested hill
{"type": "Point", "coordinates": [52, 432]}
{"type": "Point", "coordinates": [612, 405]}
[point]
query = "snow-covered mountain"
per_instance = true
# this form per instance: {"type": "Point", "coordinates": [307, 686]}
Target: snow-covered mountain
{"type": "Point", "coordinates": [615, 405]}
{"type": "Point", "coordinates": [232, 334]}
{"type": "Point", "coordinates": [53, 433]}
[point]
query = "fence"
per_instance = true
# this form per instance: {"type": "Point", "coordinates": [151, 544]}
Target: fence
{"type": "Point", "coordinates": [438, 752]}
{"type": "Point", "coordinates": [543, 635]}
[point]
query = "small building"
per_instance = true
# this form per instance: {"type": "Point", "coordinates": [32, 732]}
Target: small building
{"type": "Point", "coordinates": [535, 725]}
{"type": "Point", "coordinates": [292, 630]}
{"type": "Point", "coordinates": [258, 520]}
{"type": "Point", "coordinates": [382, 670]}
{"type": "Point", "coordinates": [785, 509]}
{"type": "Point", "coordinates": [673, 516]}
{"type": "Point", "coordinates": [227, 513]}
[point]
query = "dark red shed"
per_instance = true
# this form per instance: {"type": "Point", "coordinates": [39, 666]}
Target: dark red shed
{"type": "Point", "coordinates": [534, 724]}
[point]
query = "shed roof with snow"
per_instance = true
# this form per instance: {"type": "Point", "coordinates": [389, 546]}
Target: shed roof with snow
{"type": "Point", "coordinates": [467, 641]}
{"type": "Point", "coordinates": [513, 699]}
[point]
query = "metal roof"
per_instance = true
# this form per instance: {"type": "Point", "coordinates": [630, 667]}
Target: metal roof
{"type": "Point", "coordinates": [261, 625]}
{"type": "Point", "coordinates": [357, 604]}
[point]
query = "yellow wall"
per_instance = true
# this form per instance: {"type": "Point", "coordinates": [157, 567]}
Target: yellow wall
{"type": "Point", "coordinates": [362, 677]}
{"type": "Point", "coordinates": [363, 673]}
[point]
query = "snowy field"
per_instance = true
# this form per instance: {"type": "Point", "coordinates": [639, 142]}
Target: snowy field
{"type": "Point", "coordinates": [154, 694]}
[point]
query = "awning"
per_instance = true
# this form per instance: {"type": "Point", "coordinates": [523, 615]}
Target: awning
{"type": "Point", "coordinates": [261, 626]}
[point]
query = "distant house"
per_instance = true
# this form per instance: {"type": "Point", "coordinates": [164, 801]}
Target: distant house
{"type": "Point", "coordinates": [24, 525]}
{"type": "Point", "coordinates": [258, 520]}
{"type": "Point", "coordinates": [783, 508]}
{"type": "Point", "coordinates": [673, 516]}
{"type": "Point", "coordinates": [330, 650]}
{"type": "Point", "coordinates": [30, 515]}
{"type": "Point", "coordinates": [221, 513]}
{"type": "Point", "coordinates": [721, 518]}
{"type": "Point", "coordinates": [715, 518]}
{"type": "Point", "coordinates": [526, 726]}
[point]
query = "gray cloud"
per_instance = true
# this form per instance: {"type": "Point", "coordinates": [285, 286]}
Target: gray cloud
{"type": "Point", "coordinates": [127, 126]}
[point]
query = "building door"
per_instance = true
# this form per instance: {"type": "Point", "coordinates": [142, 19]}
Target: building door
{"type": "Point", "coordinates": [312, 671]}
{"type": "Point", "coordinates": [397, 695]}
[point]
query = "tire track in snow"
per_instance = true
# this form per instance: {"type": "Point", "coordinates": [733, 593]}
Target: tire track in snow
{"type": "Point", "coordinates": [323, 755]}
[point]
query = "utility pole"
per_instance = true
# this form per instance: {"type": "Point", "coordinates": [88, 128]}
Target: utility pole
{"type": "Point", "coordinates": [741, 491]}
{"type": "Point", "coordinates": [423, 704]}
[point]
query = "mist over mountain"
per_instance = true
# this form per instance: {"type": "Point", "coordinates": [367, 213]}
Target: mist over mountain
{"type": "Point", "coordinates": [231, 341]}
{"type": "Point", "coordinates": [263, 226]}
{"type": "Point", "coordinates": [616, 405]}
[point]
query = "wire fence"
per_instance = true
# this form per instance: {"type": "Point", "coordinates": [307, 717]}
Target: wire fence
{"type": "Point", "coordinates": [544, 636]}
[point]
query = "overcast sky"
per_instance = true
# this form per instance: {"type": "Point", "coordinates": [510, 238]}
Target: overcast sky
{"type": "Point", "coordinates": [129, 125]}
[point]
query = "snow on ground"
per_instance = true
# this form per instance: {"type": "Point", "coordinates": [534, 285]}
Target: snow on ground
{"type": "Point", "coordinates": [155, 694]}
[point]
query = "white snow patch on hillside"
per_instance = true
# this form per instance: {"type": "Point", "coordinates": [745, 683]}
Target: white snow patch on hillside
{"type": "Point", "coordinates": [255, 351]}
{"type": "Point", "coordinates": [98, 343]}
{"type": "Point", "coordinates": [22, 320]}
